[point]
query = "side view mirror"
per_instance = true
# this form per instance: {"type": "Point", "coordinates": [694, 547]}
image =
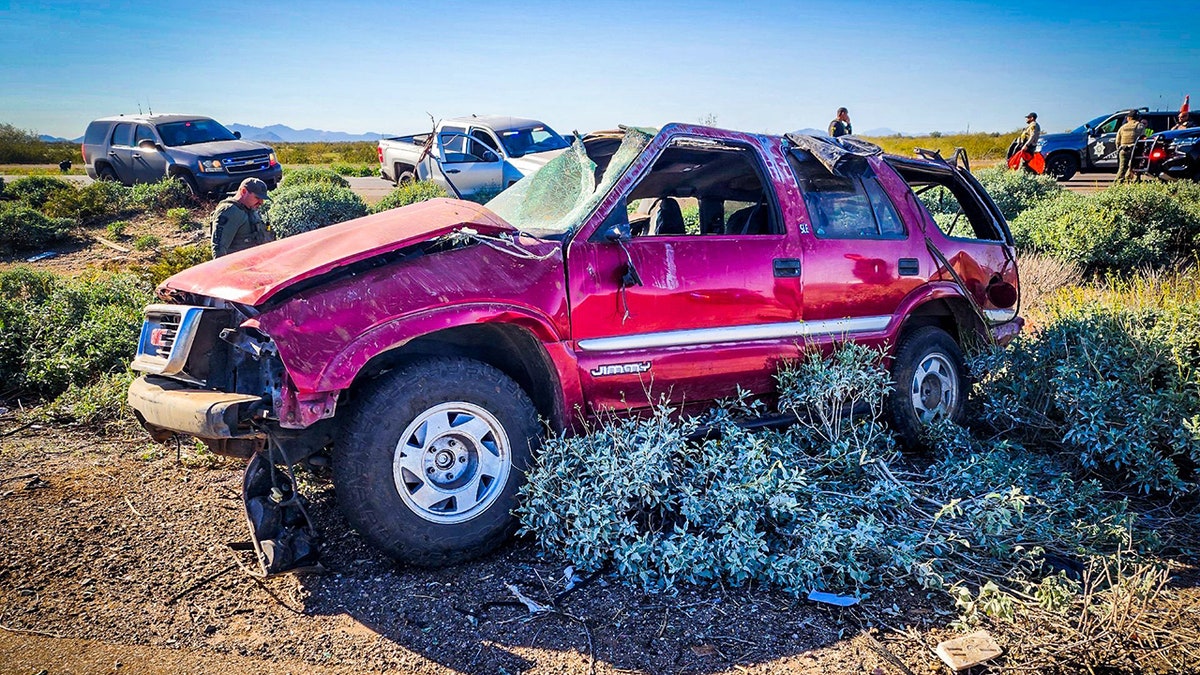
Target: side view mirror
{"type": "Point", "coordinates": [147, 144]}
{"type": "Point", "coordinates": [237, 134]}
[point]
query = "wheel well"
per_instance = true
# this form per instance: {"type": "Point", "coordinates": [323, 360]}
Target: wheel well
{"type": "Point", "coordinates": [401, 166]}
{"type": "Point", "coordinates": [513, 350]}
{"type": "Point", "coordinates": [953, 315]}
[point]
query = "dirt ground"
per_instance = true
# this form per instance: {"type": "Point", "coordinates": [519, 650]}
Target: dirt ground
{"type": "Point", "coordinates": [116, 557]}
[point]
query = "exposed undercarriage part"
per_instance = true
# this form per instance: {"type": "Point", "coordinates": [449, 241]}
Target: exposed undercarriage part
{"type": "Point", "coordinates": [284, 536]}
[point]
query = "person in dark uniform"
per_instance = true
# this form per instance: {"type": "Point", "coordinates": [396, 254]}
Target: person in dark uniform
{"type": "Point", "coordinates": [840, 126]}
{"type": "Point", "coordinates": [236, 223]}
{"type": "Point", "coordinates": [1127, 136]}
{"type": "Point", "coordinates": [1185, 122]}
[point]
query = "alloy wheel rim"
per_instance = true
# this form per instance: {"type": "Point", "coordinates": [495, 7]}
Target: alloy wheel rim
{"type": "Point", "coordinates": [934, 388]}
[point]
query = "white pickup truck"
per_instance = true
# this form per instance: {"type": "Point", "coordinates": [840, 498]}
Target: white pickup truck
{"type": "Point", "coordinates": [466, 155]}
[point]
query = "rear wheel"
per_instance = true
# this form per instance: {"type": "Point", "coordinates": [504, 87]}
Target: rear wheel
{"type": "Point", "coordinates": [1062, 166]}
{"type": "Point", "coordinates": [105, 172]}
{"type": "Point", "coordinates": [430, 463]}
{"type": "Point", "coordinates": [404, 176]}
{"type": "Point", "coordinates": [929, 376]}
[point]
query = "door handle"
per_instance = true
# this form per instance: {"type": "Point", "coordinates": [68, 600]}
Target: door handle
{"type": "Point", "coordinates": [113, 153]}
{"type": "Point", "coordinates": [453, 170]}
{"type": "Point", "coordinates": [136, 155]}
{"type": "Point", "coordinates": [786, 268]}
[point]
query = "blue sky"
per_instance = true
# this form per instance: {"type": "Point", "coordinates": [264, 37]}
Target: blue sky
{"type": "Point", "coordinates": [756, 66]}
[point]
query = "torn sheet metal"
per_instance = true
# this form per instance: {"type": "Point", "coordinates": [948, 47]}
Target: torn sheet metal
{"type": "Point", "coordinates": [842, 156]}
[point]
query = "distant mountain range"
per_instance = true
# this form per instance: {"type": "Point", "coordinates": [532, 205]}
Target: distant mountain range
{"type": "Point", "coordinates": [285, 134]}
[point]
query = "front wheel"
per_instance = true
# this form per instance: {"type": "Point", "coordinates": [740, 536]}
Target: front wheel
{"type": "Point", "coordinates": [929, 378]}
{"type": "Point", "coordinates": [1062, 166]}
{"type": "Point", "coordinates": [430, 463]}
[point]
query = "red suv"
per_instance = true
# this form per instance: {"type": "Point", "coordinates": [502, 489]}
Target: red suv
{"type": "Point", "coordinates": [423, 345]}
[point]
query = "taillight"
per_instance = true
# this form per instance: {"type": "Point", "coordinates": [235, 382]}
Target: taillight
{"type": "Point", "coordinates": [379, 151]}
{"type": "Point", "coordinates": [1158, 153]}
{"type": "Point", "coordinates": [83, 152]}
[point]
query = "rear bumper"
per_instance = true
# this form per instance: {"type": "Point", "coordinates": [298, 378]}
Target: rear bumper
{"type": "Point", "coordinates": [163, 404]}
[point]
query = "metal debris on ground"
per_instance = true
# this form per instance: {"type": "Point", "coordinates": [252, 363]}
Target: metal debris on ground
{"type": "Point", "coordinates": [969, 650]}
{"type": "Point", "coordinates": [533, 606]}
{"type": "Point", "coordinates": [41, 256]}
{"type": "Point", "coordinates": [832, 599]}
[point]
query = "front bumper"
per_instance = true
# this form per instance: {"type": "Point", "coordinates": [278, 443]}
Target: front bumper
{"type": "Point", "coordinates": [163, 404]}
{"type": "Point", "coordinates": [226, 182]}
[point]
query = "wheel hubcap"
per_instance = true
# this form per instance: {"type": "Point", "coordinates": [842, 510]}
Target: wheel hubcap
{"type": "Point", "coordinates": [452, 462]}
{"type": "Point", "coordinates": [934, 388]}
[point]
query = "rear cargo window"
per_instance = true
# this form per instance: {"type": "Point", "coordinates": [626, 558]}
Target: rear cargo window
{"type": "Point", "coordinates": [96, 132]}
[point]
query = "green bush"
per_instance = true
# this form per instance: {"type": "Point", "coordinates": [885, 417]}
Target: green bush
{"type": "Point", "coordinates": [409, 194]}
{"type": "Point", "coordinates": [1121, 228]}
{"type": "Point", "coordinates": [94, 201]}
{"type": "Point", "coordinates": [18, 146]}
{"type": "Point", "coordinates": [359, 170]}
{"type": "Point", "coordinates": [35, 191]}
{"type": "Point", "coordinates": [312, 176]}
{"type": "Point", "coordinates": [1017, 191]}
{"type": "Point", "coordinates": [827, 503]}
{"type": "Point", "coordinates": [306, 207]}
{"type": "Point", "coordinates": [2, 188]}
{"type": "Point", "coordinates": [1113, 379]}
{"type": "Point", "coordinates": [146, 242]}
{"type": "Point", "coordinates": [116, 229]}
{"type": "Point", "coordinates": [181, 219]}
{"type": "Point", "coordinates": [102, 402]}
{"type": "Point", "coordinates": [167, 193]}
{"type": "Point", "coordinates": [25, 229]}
{"type": "Point", "coordinates": [56, 332]}
{"type": "Point", "coordinates": [174, 261]}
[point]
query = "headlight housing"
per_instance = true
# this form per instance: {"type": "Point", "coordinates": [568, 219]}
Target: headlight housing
{"type": "Point", "coordinates": [211, 166]}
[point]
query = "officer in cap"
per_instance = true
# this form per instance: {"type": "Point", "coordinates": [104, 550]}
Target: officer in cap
{"type": "Point", "coordinates": [236, 223]}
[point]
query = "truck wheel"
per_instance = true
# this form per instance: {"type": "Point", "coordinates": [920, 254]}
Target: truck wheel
{"type": "Point", "coordinates": [404, 176]}
{"type": "Point", "coordinates": [188, 181]}
{"type": "Point", "coordinates": [105, 172]}
{"type": "Point", "coordinates": [430, 462]}
{"type": "Point", "coordinates": [929, 376]}
{"type": "Point", "coordinates": [1062, 166]}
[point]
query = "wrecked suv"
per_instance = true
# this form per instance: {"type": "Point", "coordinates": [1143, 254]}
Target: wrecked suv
{"type": "Point", "coordinates": [425, 350]}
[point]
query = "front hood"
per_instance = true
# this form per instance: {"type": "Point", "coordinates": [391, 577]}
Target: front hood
{"type": "Point", "coordinates": [530, 163]}
{"type": "Point", "coordinates": [215, 148]}
{"type": "Point", "coordinates": [1063, 138]}
{"type": "Point", "coordinates": [254, 275]}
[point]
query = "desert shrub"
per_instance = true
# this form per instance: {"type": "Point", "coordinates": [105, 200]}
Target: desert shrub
{"type": "Point", "coordinates": [1124, 227]}
{"type": "Point", "coordinates": [25, 229]}
{"type": "Point", "coordinates": [174, 261]}
{"type": "Point", "coordinates": [1043, 276]}
{"type": "Point", "coordinates": [19, 146]}
{"type": "Point", "coordinates": [359, 170]}
{"type": "Point", "coordinates": [116, 229]}
{"type": "Point", "coordinates": [146, 242]}
{"type": "Point", "coordinates": [1017, 191]}
{"type": "Point", "coordinates": [35, 191]}
{"type": "Point", "coordinates": [1112, 379]}
{"type": "Point", "coordinates": [819, 505]}
{"type": "Point", "coordinates": [56, 332]}
{"type": "Point", "coordinates": [181, 219]}
{"type": "Point", "coordinates": [306, 207]}
{"type": "Point", "coordinates": [101, 402]}
{"type": "Point", "coordinates": [2, 188]}
{"type": "Point", "coordinates": [167, 193]}
{"type": "Point", "coordinates": [409, 194]}
{"type": "Point", "coordinates": [313, 176]}
{"type": "Point", "coordinates": [96, 200]}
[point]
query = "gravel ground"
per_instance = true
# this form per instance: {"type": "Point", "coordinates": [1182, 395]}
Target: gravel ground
{"type": "Point", "coordinates": [115, 557]}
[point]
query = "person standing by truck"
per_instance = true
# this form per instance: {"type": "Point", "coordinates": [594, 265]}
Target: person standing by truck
{"type": "Point", "coordinates": [236, 223]}
{"type": "Point", "coordinates": [840, 126]}
{"type": "Point", "coordinates": [1127, 136]}
{"type": "Point", "coordinates": [1026, 144]}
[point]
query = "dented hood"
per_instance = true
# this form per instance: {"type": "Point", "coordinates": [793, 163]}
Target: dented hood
{"type": "Point", "coordinates": [254, 275]}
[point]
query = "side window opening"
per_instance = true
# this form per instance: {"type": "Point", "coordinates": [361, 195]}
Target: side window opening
{"type": "Point", "coordinates": [951, 204]}
{"type": "Point", "coordinates": [702, 187]}
{"type": "Point", "coordinates": [846, 206]}
{"type": "Point", "coordinates": [143, 134]}
{"type": "Point", "coordinates": [123, 135]}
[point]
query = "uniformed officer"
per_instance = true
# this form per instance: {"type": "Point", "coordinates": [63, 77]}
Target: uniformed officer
{"type": "Point", "coordinates": [1028, 140]}
{"type": "Point", "coordinates": [840, 126]}
{"type": "Point", "coordinates": [236, 223]}
{"type": "Point", "coordinates": [1127, 136]}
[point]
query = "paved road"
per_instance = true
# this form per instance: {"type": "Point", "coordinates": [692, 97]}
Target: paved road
{"type": "Point", "coordinates": [372, 189]}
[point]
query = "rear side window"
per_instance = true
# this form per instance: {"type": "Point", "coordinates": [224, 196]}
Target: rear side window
{"type": "Point", "coordinates": [123, 135]}
{"type": "Point", "coordinates": [95, 133]}
{"type": "Point", "coordinates": [846, 207]}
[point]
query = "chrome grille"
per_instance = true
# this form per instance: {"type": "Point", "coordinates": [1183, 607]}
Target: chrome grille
{"type": "Point", "coordinates": [236, 165]}
{"type": "Point", "coordinates": [165, 334]}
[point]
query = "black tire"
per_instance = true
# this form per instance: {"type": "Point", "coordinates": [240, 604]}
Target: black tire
{"type": "Point", "coordinates": [404, 176]}
{"type": "Point", "coordinates": [371, 471]}
{"type": "Point", "coordinates": [105, 172]}
{"type": "Point", "coordinates": [929, 376]}
{"type": "Point", "coordinates": [1062, 165]}
{"type": "Point", "coordinates": [186, 179]}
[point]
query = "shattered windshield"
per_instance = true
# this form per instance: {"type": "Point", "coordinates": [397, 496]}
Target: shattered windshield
{"type": "Point", "coordinates": [521, 142]}
{"type": "Point", "coordinates": [557, 198]}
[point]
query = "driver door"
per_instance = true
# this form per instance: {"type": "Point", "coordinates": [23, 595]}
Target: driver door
{"type": "Point", "coordinates": [149, 165]}
{"type": "Point", "coordinates": [1102, 143]}
{"type": "Point", "coordinates": [470, 166]}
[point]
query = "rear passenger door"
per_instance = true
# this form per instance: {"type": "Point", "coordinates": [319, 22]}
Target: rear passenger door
{"type": "Point", "coordinates": [861, 260]}
{"type": "Point", "coordinates": [120, 153]}
{"type": "Point", "coordinates": [149, 165]}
